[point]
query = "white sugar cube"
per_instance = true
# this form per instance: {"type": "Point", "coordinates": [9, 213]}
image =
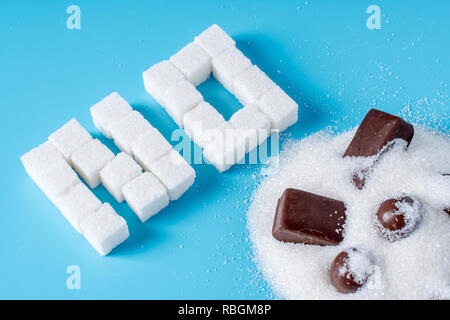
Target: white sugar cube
{"type": "Point", "coordinates": [89, 159]}
{"type": "Point", "coordinates": [41, 158]}
{"type": "Point", "coordinates": [77, 204]}
{"type": "Point", "coordinates": [149, 148]}
{"type": "Point", "coordinates": [180, 98]}
{"type": "Point", "coordinates": [175, 174]}
{"type": "Point", "coordinates": [69, 138]}
{"type": "Point", "coordinates": [251, 84]}
{"type": "Point", "coordinates": [129, 129]}
{"type": "Point", "coordinates": [227, 65]}
{"type": "Point", "coordinates": [214, 40]}
{"type": "Point", "coordinates": [105, 229]}
{"type": "Point", "coordinates": [146, 195]}
{"type": "Point", "coordinates": [117, 173]}
{"type": "Point", "coordinates": [159, 77]}
{"type": "Point", "coordinates": [57, 180]}
{"type": "Point", "coordinates": [193, 62]}
{"type": "Point", "coordinates": [200, 119]}
{"type": "Point", "coordinates": [49, 171]}
{"type": "Point", "coordinates": [252, 124]}
{"type": "Point", "coordinates": [226, 148]}
{"type": "Point", "coordinates": [279, 108]}
{"type": "Point", "coordinates": [108, 111]}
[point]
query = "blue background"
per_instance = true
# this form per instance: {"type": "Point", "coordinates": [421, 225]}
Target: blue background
{"type": "Point", "coordinates": [320, 52]}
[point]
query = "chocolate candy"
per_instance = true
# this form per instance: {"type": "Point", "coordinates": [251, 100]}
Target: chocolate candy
{"type": "Point", "coordinates": [398, 217]}
{"type": "Point", "coordinates": [350, 270]}
{"type": "Point", "coordinates": [376, 131]}
{"type": "Point", "coordinates": [308, 218]}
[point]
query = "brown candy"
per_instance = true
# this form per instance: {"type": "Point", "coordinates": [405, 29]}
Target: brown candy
{"type": "Point", "coordinates": [398, 217]}
{"type": "Point", "coordinates": [343, 276]}
{"type": "Point", "coordinates": [308, 218]}
{"type": "Point", "coordinates": [374, 134]}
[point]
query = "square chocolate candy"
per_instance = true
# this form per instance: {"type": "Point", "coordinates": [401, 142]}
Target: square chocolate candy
{"type": "Point", "coordinates": [377, 130]}
{"type": "Point", "coordinates": [308, 218]}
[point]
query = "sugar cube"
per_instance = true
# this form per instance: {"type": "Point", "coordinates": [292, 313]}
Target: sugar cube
{"type": "Point", "coordinates": [193, 62]}
{"type": "Point", "coordinates": [227, 65]}
{"type": "Point", "coordinates": [108, 111]}
{"type": "Point", "coordinates": [279, 108]}
{"type": "Point", "coordinates": [146, 195]}
{"type": "Point", "coordinates": [41, 158]}
{"type": "Point", "coordinates": [117, 173]}
{"type": "Point", "coordinates": [129, 129]}
{"type": "Point", "coordinates": [175, 174]}
{"type": "Point", "coordinates": [252, 124]}
{"type": "Point", "coordinates": [149, 148]}
{"type": "Point", "coordinates": [180, 98]}
{"type": "Point", "coordinates": [105, 229]}
{"type": "Point", "coordinates": [251, 84]}
{"type": "Point", "coordinates": [89, 159]}
{"type": "Point", "coordinates": [214, 40]}
{"type": "Point", "coordinates": [200, 119]}
{"type": "Point", "coordinates": [159, 77]}
{"type": "Point", "coordinates": [69, 137]}
{"type": "Point", "coordinates": [226, 148]}
{"type": "Point", "coordinates": [77, 204]}
{"type": "Point", "coordinates": [56, 180]}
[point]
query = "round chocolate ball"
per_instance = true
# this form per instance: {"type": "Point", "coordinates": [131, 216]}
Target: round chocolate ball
{"type": "Point", "coordinates": [398, 217]}
{"type": "Point", "coordinates": [350, 270]}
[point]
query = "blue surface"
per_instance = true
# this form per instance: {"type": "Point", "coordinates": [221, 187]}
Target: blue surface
{"type": "Point", "coordinates": [321, 53]}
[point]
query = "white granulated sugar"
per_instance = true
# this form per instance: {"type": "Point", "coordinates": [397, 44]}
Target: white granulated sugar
{"type": "Point", "coordinates": [416, 267]}
{"type": "Point", "coordinates": [359, 264]}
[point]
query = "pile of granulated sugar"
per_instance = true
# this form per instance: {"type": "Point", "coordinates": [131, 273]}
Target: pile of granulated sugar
{"type": "Point", "coordinates": [416, 267]}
